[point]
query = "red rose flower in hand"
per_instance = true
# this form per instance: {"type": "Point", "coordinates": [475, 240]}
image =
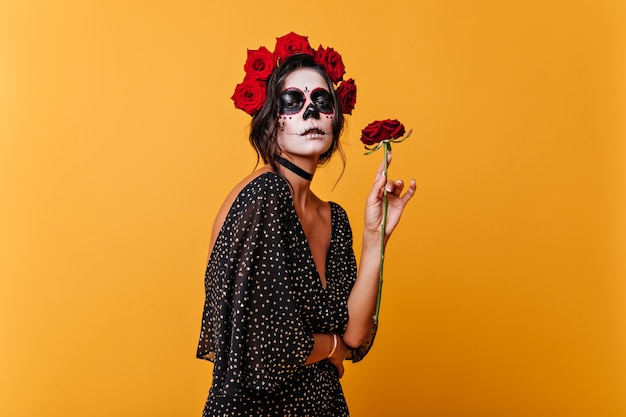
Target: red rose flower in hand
{"type": "Point", "coordinates": [260, 64]}
{"type": "Point", "coordinates": [249, 96]}
{"type": "Point", "coordinates": [381, 130]}
{"type": "Point", "coordinates": [292, 44]}
{"type": "Point", "coordinates": [346, 95]}
{"type": "Point", "coordinates": [332, 63]}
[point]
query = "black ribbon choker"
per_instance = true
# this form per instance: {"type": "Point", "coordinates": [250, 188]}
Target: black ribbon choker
{"type": "Point", "coordinates": [294, 168]}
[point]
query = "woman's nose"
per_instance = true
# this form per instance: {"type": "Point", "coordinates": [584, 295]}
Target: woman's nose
{"type": "Point", "coordinates": [311, 111]}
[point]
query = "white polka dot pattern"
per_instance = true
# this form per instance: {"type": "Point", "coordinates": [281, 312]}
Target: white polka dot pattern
{"type": "Point", "coordinates": [264, 299]}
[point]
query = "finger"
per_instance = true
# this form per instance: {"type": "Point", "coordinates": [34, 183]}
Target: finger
{"type": "Point", "coordinates": [377, 188]}
{"type": "Point", "coordinates": [394, 187]}
{"type": "Point", "coordinates": [410, 192]}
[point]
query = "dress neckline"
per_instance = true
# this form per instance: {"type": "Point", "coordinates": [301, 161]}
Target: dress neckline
{"type": "Point", "coordinates": [331, 205]}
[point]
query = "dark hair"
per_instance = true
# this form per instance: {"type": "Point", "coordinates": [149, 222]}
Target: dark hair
{"type": "Point", "coordinates": [264, 126]}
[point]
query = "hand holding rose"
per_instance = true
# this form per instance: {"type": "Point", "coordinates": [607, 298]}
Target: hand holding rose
{"type": "Point", "coordinates": [396, 201]}
{"type": "Point", "coordinates": [384, 204]}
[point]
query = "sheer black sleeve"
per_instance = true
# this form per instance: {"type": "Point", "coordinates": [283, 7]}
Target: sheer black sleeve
{"type": "Point", "coordinates": [251, 328]}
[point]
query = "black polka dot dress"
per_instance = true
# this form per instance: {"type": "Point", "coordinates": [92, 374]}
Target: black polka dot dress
{"type": "Point", "coordinates": [264, 301]}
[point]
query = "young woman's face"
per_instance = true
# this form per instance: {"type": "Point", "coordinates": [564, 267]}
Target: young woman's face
{"type": "Point", "coordinates": [305, 114]}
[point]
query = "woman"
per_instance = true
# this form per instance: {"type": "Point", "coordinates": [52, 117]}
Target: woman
{"type": "Point", "coordinates": [284, 304]}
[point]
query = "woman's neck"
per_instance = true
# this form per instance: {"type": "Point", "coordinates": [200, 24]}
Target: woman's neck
{"type": "Point", "coordinates": [300, 184]}
{"type": "Point", "coordinates": [302, 173]}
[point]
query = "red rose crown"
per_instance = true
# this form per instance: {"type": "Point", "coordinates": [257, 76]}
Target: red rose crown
{"type": "Point", "coordinates": [250, 94]}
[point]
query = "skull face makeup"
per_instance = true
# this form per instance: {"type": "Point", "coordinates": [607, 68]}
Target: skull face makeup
{"type": "Point", "coordinates": [306, 114]}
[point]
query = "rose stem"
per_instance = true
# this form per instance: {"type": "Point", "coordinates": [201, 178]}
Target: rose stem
{"type": "Point", "coordinates": [383, 226]}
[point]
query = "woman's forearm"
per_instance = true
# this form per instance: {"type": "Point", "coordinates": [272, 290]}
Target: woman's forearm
{"type": "Point", "coordinates": [362, 299]}
{"type": "Point", "coordinates": [322, 347]}
{"type": "Point", "coordinates": [328, 346]}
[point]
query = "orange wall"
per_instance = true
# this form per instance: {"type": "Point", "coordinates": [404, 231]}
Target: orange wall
{"type": "Point", "coordinates": [504, 291]}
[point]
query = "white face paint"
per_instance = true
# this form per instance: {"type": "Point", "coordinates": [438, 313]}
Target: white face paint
{"type": "Point", "coordinates": [306, 114]}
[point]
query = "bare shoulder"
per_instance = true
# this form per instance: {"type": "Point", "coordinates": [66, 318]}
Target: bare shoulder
{"type": "Point", "coordinates": [230, 198]}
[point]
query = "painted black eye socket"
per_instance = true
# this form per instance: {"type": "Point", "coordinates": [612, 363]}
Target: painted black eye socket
{"type": "Point", "coordinates": [291, 101]}
{"type": "Point", "coordinates": [323, 100]}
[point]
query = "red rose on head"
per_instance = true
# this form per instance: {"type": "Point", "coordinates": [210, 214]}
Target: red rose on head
{"type": "Point", "coordinates": [292, 44]}
{"type": "Point", "coordinates": [249, 96]}
{"type": "Point", "coordinates": [381, 130]}
{"type": "Point", "coordinates": [260, 64]}
{"type": "Point", "coordinates": [346, 95]}
{"type": "Point", "coordinates": [332, 63]}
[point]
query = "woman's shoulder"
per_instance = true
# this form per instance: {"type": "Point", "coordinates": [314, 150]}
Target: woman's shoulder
{"type": "Point", "coordinates": [338, 210]}
{"type": "Point", "coordinates": [257, 183]}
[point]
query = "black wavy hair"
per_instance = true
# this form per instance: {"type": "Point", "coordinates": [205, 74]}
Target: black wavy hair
{"type": "Point", "coordinates": [264, 126]}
